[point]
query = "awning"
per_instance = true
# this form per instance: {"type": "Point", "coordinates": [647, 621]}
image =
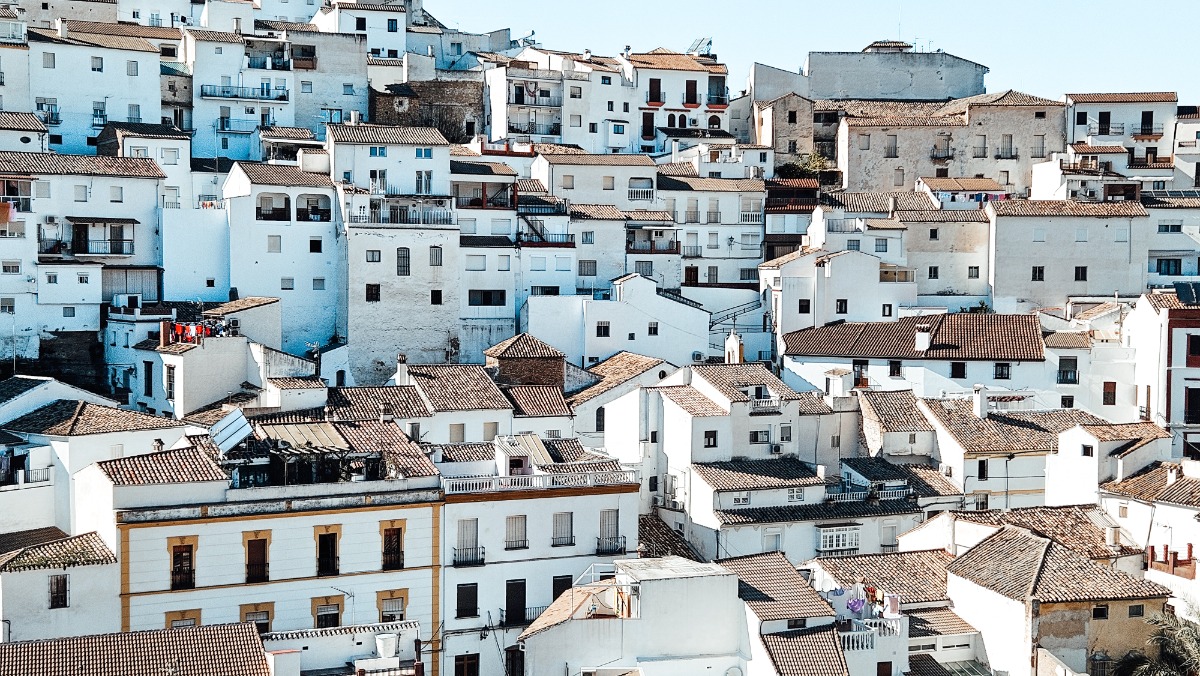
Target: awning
{"type": "Point", "coordinates": [97, 219]}
{"type": "Point", "coordinates": [1161, 253]}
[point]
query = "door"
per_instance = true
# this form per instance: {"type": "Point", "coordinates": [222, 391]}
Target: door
{"type": "Point", "coordinates": [690, 92]}
{"type": "Point", "coordinates": [713, 274]}
{"type": "Point", "coordinates": [647, 125]}
{"type": "Point", "coordinates": [1147, 126]}
{"type": "Point", "coordinates": [256, 560]}
{"type": "Point", "coordinates": [468, 538]}
{"type": "Point", "coordinates": [327, 554]}
{"type": "Point", "coordinates": [655, 95]}
{"type": "Point", "coordinates": [887, 538]}
{"type": "Point", "coordinates": [1103, 121]}
{"type": "Point", "coordinates": [860, 372]}
{"type": "Point", "coordinates": [610, 531]}
{"type": "Point", "coordinates": [1191, 406]}
{"type": "Point", "coordinates": [79, 237]}
{"type": "Point", "coordinates": [518, 94]}
{"type": "Point", "coordinates": [883, 669]}
{"type": "Point", "coordinates": [514, 602]}
{"type": "Point", "coordinates": [691, 275]}
{"type": "Point", "coordinates": [116, 239]}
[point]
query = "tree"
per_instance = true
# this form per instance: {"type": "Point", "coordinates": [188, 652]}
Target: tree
{"type": "Point", "coordinates": [1175, 650]}
{"type": "Point", "coordinates": [809, 168]}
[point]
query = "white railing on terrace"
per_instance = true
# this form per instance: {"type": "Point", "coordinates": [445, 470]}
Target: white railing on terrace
{"type": "Point", "coordinates": [771, 404]}
{"type": "Point", "coordinates": [751, 217]}
{"type": "Point", "coordinates": [854, 496]}
{"type": "Point", "coordinates": [892, 493]}
{"type": "Point", "coordinates": [492, 484]}
{"type": "Point", "coordinates": [862, 638]}
{"type": "Point", "coordinates": [884, 626]}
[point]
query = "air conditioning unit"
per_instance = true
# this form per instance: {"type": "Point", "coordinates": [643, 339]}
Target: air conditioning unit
{"type": "Point", "coordinates": [235, 327]}
{"type": "Point", "coordinates": [51, 219]}
{"type": "Point", "coordinates": [693, 122]}
{"type": "Point", "coordinates": [698, 357]}
{"type": "Point", "coordinates": [776, 449]}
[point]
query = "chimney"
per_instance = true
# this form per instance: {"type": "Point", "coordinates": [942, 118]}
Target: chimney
{"type": "Point", "coordinates": [385, 413]}
{"type": "Point", "coordinates": [355, 117]}
{"type": "Point", "coordinates": [674, 150]}
{"type": "Point", "coordinates": [402, 370]}
{"type": "Point", "coordinates": [429, 51]}
{"type": "Point", "coordinates": [980, 401]}
{"type": "Point", "coordinates": [734, 350]}
{"type": "Point", "coordinates": [61, 26]}
{"type": "Point", "coordinates": [1112, 536]}
{"type": "Point", "coordinates": [164, 333]}
{"type": "Point", "coordinates": [628, 51]}
{"type": "Point", "coordinates": [921, 338]}
{"type": "Point", "coordinates": [821, 472]}
{"type": "Point", "coordinates": [156, 445]}
{"type": "Point", "coordinates": [892, 206]}
{"type": "Point", "coordinates": [1172, 475]}
{"type": "Point", "coordinates": [587, 55]}
{"type": "Point", "coordinates": [330, 414]}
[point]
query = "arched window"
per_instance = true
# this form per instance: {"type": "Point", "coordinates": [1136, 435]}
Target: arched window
{"type": "Point", "coordinates": [403, 266]}
{"type": "Point", "coordinates": [600, 419]}
{"type": "Point", "coordinates": [682, 121]}
{"type": "Point", "coordinates": [714, 122]}
{"type": "Point", "coordinates": [671, 120]}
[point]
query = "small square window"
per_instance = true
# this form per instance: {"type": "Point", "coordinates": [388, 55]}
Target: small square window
{"type": "Point", "coordinates": [314, 245]}
{"type": "Point", "coordinates": [1067, 401]}
{"type": "Point", "coordinates": [435, 296]}
{"type": "Point", "coordinates": [958, 369]}
{"type": "Point", "coordinates": [973, 272]}
{"type": "Point", "coordinates": [605, 80]}
{"type": "Point", "coordinates": [933, 233]}
{"type": "Point", "coordinates": [805, 306]}
{"type": "Point", "coordinates": [1038, 274]}
{"type": "Point", "coordinates": [934, 271]}
{"type": "Point", "coordinates": [1087, 451]}
{"type": "Point", "coordinates": [348, 89]}
{"type": "Point", "coordinates": [652, 329]}
{"type": "Point", "coordinates": [52, 278]}
{"type": "Point", "coordinates": [83, 278]}
{"type": "Point", "coordinates": [841, 306]}
{"type": "Point", "coordinates": [287, 283]}
{"type": "Point", "coordinates": [1100, 612]}
{"type": "Point", "coordinates": [887, 310]}
{"type": "Point", "coordinates": [1081, 273]}
{"type": "Point", "coordinates": [305, 87]}
{"type": "Point", "coordinates": [372, 293]}
{"type": "Point", "coordinates": [1137, 610]}
{"type": "Point", "coordinates": [318, 283]}
{"type": "Point", "coordinates": [1002, 371]}
{"type": "Point", "coordinates": [68, 311]}
{"type": "Point", "coordinates": [895, 369]}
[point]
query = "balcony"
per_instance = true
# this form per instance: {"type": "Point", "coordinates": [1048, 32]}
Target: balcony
{"type": "Point", "coordinates": [251, 93]}
{"type": "Point", "coordinates": [1191, 417]}
{"type": "Point", "coordinates": [327, 566]}
{"type": "Point", "coordinates": [889, 549]}
{"type": "Point", "coordinates": [1068, 377]}
{"type": "Point", "coordinates": [516, 544]}
{"type": "Point", "coordinates": [693, 251]}
{"type": "Point", "coordinates": [493, 484]}
{"type": "Point", "coordinates": [641, 194]}
{"type": "Point", "coordinates": [892, 493]}
{"type": "Point", "coordinates": [718, 100]}
{"type": "Point", "coordinates": [1006, 154]}
{"type": "Point", "coordinates": [765, 405]}
{"type": "Point", "coordinates": [690, 100]}
{"type": "Point", "coordinates": [1106, 129]}
{"type": "Point", "coordinates": [496, 202]}
{"type": "Point", "coordinates": [183, 578]}
{"type": "Point", "coordinates": [103, 247]}
{"type": "Point", "coordinates": [312, 214]}
{"type": "Point", "coordinates": [210, 202]}
{"type": "Point", "coordinates": [304, 62]}
{"type": "Point", "coordinates": [1151, 162]}
{"type": "Point", "coordinates": [538, 101]}
{"type": "Point", "coordinates": [691, 217]}
{"type": "Point", "coordinates": [401, 216]}
{"type": "Point", "coordinates": [553, 129]}
{"type": "Point", "coordinates": [563, 541]}
{"type": "Point", "coordinates": [37, 476]}
{"type": "Point", "coordinates": [1139, 129]}
{"type": "Point", "coordinates": [1039, 152]}
{"type": "Point", "coordinates": [271, 214]}
{"type": "Point", "coordinates": [235, 126]}
{"type": "Point", "coordinates": [655, 98]}
{"type": "Point", "coordinates": [979, 151]}
{"type": "Point", "coordinates": [393, 560]}
{"type": "Point", "coordinates": [841, 225]}
{"type": "Point", "coordinates": [859, 638]}
{"type": "Point", "coordinates": [170, 205]}
{"type": "Point", "coordinates": [20, 204]}
{"type": "Point", "coordinates": [712, 217]}
{"type": "Point", "coordinates": [649, 246]}
{"type": "Point", "coordinates": [520, 617]}
{"type": "Point", "coordinates": [751, 217]}
{"type": "Point", "coordinates": [547, 239]}
{"type": "Point", "coordinates": [99, 119]}
{"type": "Point", "coordinates": [469, 556]}
{"type": "Point", "coordinates": [787, 203]}
{"type": "Point", "coordinates": [50, 115]}
{"type": "Point", "coordinates": [835, 553]}
{"type": "Point", "coordinates": [267, 63]}
{"type": "Point", "coordinates": [610, 546]}
{"type": "Point", "coordinates": [257, 572]}
{"type": "Point", "coordinates": [937, 153]}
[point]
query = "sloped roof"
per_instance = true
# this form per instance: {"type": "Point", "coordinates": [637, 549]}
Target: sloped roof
{"type": "Point", "coordinates": [1077, 527]}
{"type": "Point", "coordinates": [743, 475]}
{"type": "Point", "coordinates": [822, 511]}
{"type": "Point", "coordinates": [962, 336]}
{"type": "Point", "coordinates": [1020, 565]}
{"type": "Point", "coordinates": [457, 387]}
{"type": "Point", "coordinates": [1072, 208]}
{"type": "Point", "coordinates": [121, 42]}
{"type": "Point", "coordinates": [683, 182]}
{"type": "Point", "coordinates": [134, 30]}
{"type": "Point", "coordinates": [239, 305]}
{"type": "Point", "coordinates": [936, 622]}
{"type": "Point", "coordinates": [284, 175]}
{"type": "Point", "coordinates": [617, 369]}
{"type": "Point", "coordinates": [87, 549]}
{"type": "Point", "coordinates": [876, 468]}
{"type": "Point", "coordinates": [287, 133]}
{"type": "Point", "coordinates": [538, 401]}
{"type": "Point", "coordinates": [1006, 432]}
{"type": "Point", "coordinates": [13, 162]}
{"type": "Point", "coordinates": [816, 651]}
{"type": "Point", "coordinates": [615, 159]}
{"type": "Point", "coordinates": [1153, 483]}
{"type": "Point", "coordinates": [728, 379]}
{"type": "Point", "coordinates": [929, 482]}
{"type": "Point", "coordinates": [386, 135]}
{"type": "Point", "coordinates": [481, 168]}
{"type": "Point", "coordinates": [65, 417]}
{"type": "Point", "coordinates": [876, 202]}
{"type": "Point", "coordinates": [656, 538]}
{"type": "Point", "coordinates": [895, 410]}
{"type": "Point", "coordinates": [665, 59]}
{"type": "Point", "coordinates": [1125, 97]}
{"type": "Point", "coordinates": [15, 121]}
{"type": "Point", "coordinates": [523, 346]}
{"type": "Point", "coordinates": [692, 401]}
{"type": "Point", "coordinates": [185, 465]}
{"type": "Point", "coordinates": [918, 576]}
{"type": "Point", "coordinates": [774, 589]}
{"type": "Point", "coordinates": [952, 184]}
{"type": "Point", "coordinates": [15, 386]}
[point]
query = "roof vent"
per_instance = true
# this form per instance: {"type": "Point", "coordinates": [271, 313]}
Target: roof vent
{"type": "Point", "coordinates": [921, 338]}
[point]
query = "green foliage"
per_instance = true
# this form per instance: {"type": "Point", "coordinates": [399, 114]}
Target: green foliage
{"type": "Point", "coordinates": [1175, 650]}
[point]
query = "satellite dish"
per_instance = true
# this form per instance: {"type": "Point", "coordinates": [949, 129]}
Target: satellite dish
{"type": "Point", "coordinates": [230, 430]}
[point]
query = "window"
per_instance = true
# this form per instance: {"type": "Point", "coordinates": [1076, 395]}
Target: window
{"type": "Point", "coordinates": [593, 128]}
{"type": "Point", "coordinates": [8, 306]}
{"type": "Point", "coordinates": [392, 25]}
{"type": "Point", "coordinates": [1137, 610]}
{"type": "Point", "coordinates": [839, 538]}
{"type": "Point", "coordinates": [795, 495]}
{"type": "Point", "coordinates": [360, 23]}
{"type": "Point", "coordinates": [314, 245]}
{"type": "Point", "coordinates": [741, 499]}
{"type": "Point", "coordinates": [853, 245]}
{"type": "Point", "coordinates": [374, 255]}
{"type": "Point", "coordinates": [805, 306]}
{"type": "Point", "coordinates": [886, 310]}
{"type": "Point", "coordinates": [1087, 451]}
{"type": "Point", "coordinates": [435, 256]}
{"type": "Point", "coordinates": [52, 278]}
{"type": "Point", "coordinates": [710, 438]}
{"type": "Point", "coordinates": [424, 153]}
{"type": "Point", "coordinates": [785, 433]}
{"type": "Point", "coordinates": [958, 369]}
{"type": "Point", "coordinates": [568, 182]}
{"type": "Point", "coordinates": [1100, 612]}
{"type": "Point", "coordinates": [466, 665]}
{"type": "Point", "coordinates": [1110, 393]}
{"type": "Point", "coordinates": [603, 330]}
{"type": "Point", "coordinates": [1170, 226]}
{"type": "Point", "coordinates": [68, 311]}
{"type": "Point", "coordinates": [1081, 234]}
{"type": "Point", "coordinates": [791, 117]}
{"type": "Point", "coordinates": [881, 245]}
{"type": "Point", "coordinates": [618, 129]}
{"type": "Point", "coordinates": [600, 419]}
{"type": "Point", "coordinates": [587, 268]}
{"type": "Point", "coordinates": [372, 293]}
{"type": "Point", "coordinates": [274, 243]}
{"type": "Point", "coordinates": [378, 151]}
{"type": "Point", "coordinates": [605, 80]}
{"type": "Point", "coordinates": [564, 530]}
{"type": "Point", "coordinates": [169, 385]}
{"type": "Point", "coordinates": [170, 155]}
{"type": "Point", "coordinates": [476, 262]}
{"type": "Point", "coordinates": [760, 436]}
{"type": "Point", "coordinates": [933, 233]}
{"type": "Point", "coordinates": [328, 615]}
{"type": "Point", "coordinates": [894, 369]}
{"type": "Point", "coordinates": [318, 283]}
{"type": "Point", "coordinates": [652, 329]}
{"type": "Point", "coordinates": [260, 618]}
{"type": "Point", "coordinates": [435, 296]}
{"type": "Point", "coordinates": [610, 106]}
{"type": "Point", "coordinates": [835, 441]}
{"type": "Point", "coordinates": [486, 297]}
{"type": "Point", "coordinates": [772, 540]}
{"type": "Point", "coordinates": [646, 269]}
{"type": "Point", "coordinates": [933, 272]}
{"type": "Point", "coordinates": [1081, 273]}
{"type": "Point", "coordinates": [97, 64]}
{"type": "Point", "coordinates": [82, 278]}
{"type": "Point", "coordinates": [305, 87]}
{"type": "Point", "coordinates": [59, 591]}
{"type": "Point", "coordinates": [403, 266]}
{"type": "Point", "coordinates": [981, 471]}
{"type": "Point", "coordinates": [972, 272]}
{"type": "Point", "coordinates": [840, 306]}
{"type": "Point", "coordinates": [81, 193]}
{"type": "Point", "coordinates": [183, 572]}
{"type": "Point", "coordinates": [864, 141]}
{"type": "Point", "coordinates": [148, 379]}
{"type": "Point", "coordinates": [287, 283]}
{"type": "Point", "coordinates": [1002, 371]}
{"type": "Point", "coordinates": [131, 67]}
{"type": "Point", "coordinates": [898, 177]}
{"type": "Point", "coordinates": [1038, 273]}
{"type": "Point", "coordinates": [10, 267]}
{"type": "Point", "coordinates": [47, 59]}
{"type": "Point", "coordinates": [1067, 401]}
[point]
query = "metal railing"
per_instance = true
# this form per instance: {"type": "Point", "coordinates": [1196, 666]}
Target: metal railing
{"type": "Point", "coordinates": [751, 217]}
{"type": "Point", "coordinates": [979, 151]}
{"type": "Point", "coordinates": [937, 153]}
{"type": "Point", "coordinates": [550, 101]}
{"type": "Point", "coordinates": [393, 560]}
{"type": "Point", "coordinates": [327, 566]}
{"type": "Point", "coordinates": [501, 202]}
{"type": "Point", "coordinates": [37, 476]}
{"type": "Point", "coordinates": [516, 544]}
{"type": "Point", "coordinates": [469, 556]}
{"type": "Point", "coordinates": [254, 93]}
{"type": "Point", "coordinates": [889, 549]}
{"type": "Point", "coordinates": [1038, 152]}
{"type": "Point", "coordinates": [235, 125]}
{"type": "Point", "coordinates": [712, 217]}
{"type": "Point", "coordinates": [257, 572]}
{"type": "Point", "coordinates": [641, 194]}
{"type": "Point", "coordinates": [606, 546]}
{"type": "Point", "coordinates": [492, 484]}
{"type": "Point", "coordinates": [521, 616]}
{"type": "Point", "coordinates": [652, 246]}
{"type": "Point", "coordinates": [304, 62]}
{"type": "Point", "coordinates": [104, 247]}
{"type": "Point", "coordinates": [693, 251]}
{"type": "Point", "coordinates": [536, 129]}
{"type": "Point", "coordinates": [272, 214]}
{"type": "Point", "coordinates": [99, 119]}
{"type": "Point", "coordinates": [1110, 129]}
{"type": "Point", "coordinates": [1139, 129]}
{"type": "Point", "coordinates": [655, 97]}
{"type": "Point", "coordinates": [1004, 153]}
{"type": "Point", "coordinates": [313, 214]}
{"type": "Point", "coordinates": [183, 578]}
{"type": "Point", "coordinates": [1068, 377]}
{"type": "Point", "coordinates": [1151, 162]}
{"type": "Point", "coordinates": [402, 216]}
{"type": "Point", "coordinates": [1191, 417]}
{"type": "Point", "coordinates": [563, 541]}
{"type": "Point", "coordinates": [690, 99]}
{"type": "Point", "coordinates": [718, 100]}
{"type": "Point", "coordinates": [834, 553]}
{"type": "Point", "coordinates": [691, 217]}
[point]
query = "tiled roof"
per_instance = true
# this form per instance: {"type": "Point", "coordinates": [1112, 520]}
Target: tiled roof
{"type": "Point", "coordinates": [1161, 199]}
{"type": "Point", "coordinates": [1168, 300]}
{"type": "Point", "coordinates": [948, 184]}
{"type": "Point", "coordinates": [743, 475]}
{"type": "Point", "coordinates": [386, 135]}
{"type": "Point", "coordinates": [215, 36]}
{"type": "Point", "coordinates": [895, 410]}
{"type": "Point", "coordinates": [1085, 149]}
{"type": "Point", "coordinates": [122, 42]}
{"type": "Point", "coordinates": [773, 589]}
{"type": "Point", "coordinates": [538, 401]}
{"type": "Point", "coordinates": [15, 386]}
{"type": "Point", "coordinates": [1125, 97]}
{"type": "Point", "coordinates": [936, 622]}
{"type": "Point", "coordinates": [557, 149]}
{"type": "Point", "coordinates": [563, 608]}
{"type": "Point", "coordinates": [1078, 527]}
{"type": "Point", "coordinates": [876, 468]}
{"type": "Point", "coordinates": [12, 121]}
{"type": "Point", "coordinates": [152, 344]}
{"type": "Point", "coordinates": [147, 130]}
{"type": "Point", "coordinates": [466, 452]}
{"type": "Point", "coordinates": [800, 183]}
{"type": "Point", "coordinates": [915, 120]}
{"type": "Point", "coordinates": [239, 305]}
{"type": "Point", "coordinates": [457, 387]}
{"type": "Point", "coordinates": [822, 511]}
{"type": "Point", "coordinates": [812, 403]}
{"type": "Point", "coordinates": [656, 538]}
{"type": "Point", "coordinates": [1035, 208]}
{"type": "Point", "coordinates": [205, 650]}
{"type": "Point", "coordinates": [291, 26]}
{"type": "Point", "coordinates": [648, 215]}
{"type": "Point", "coordinates": [16, 540]}
{"type": "Point", "coordinates": [66, 417]}
{"type": "Point", "coordinates": [876, 202]}
{"type": "Point", "coordinates": [362, 403]}
{"type": "Point", "coordinates": [81, 550]}
{"type": "Point", "coordinates": [1127, 431]}
{"type": "Point", "coordinates": [692, 401]}
{"type": "Point", "coordinates": [459, 150]}
{"type": "Point", "coordinates": [677, 169]}
{"type": "Point", "coordinates": [284, 175]}
{"type": "Point", "coordinates": [295, 383]}
{"type": "Point", "coordinates": [1006, 432]}
{"type": "Point", "coordinates": [929, 482]}
{"type": "Point", "coordinates": [730, 378]}
{"type": "Point", "coordinates": [1096, 311]}
{"type": "Point", "coordinates": [1154, 484]}
{"type": "Point", "coordinates": [667, 182]}
{"type": "Point", "coordinates": [1010, 97]}
{"type": "Point", "coordinates": [816, 651]}
{"type": "Point", "coordinates": [618, 159]}
{"type": "Point", "coordinates": [776, 263]}
{"type": "Point", "coordinates": [184, 465]}
{"type": "Point", "coordinates": [133, 30]}
{"type": "Point", "coordinates": [481, 168]}
{"type": "Point", "coordinates": [595, 212]}
{"type": "Point", "coordinates": [665, 59]}
{"type": "Point", "coordinates": [531, 186]}
{"type": "Point", "coordinates": [12, 162]}
{"type": "Point", "coordinates": [918, 577]}
{"type": "Point", "coordinates": [287, 133]}
{"type": "Point", "coordinates": [1068, 340]}
{"type": "Point", "coordinates": [617, 369]}
{"type": "Point", "coordinates": [961, 336]}
{"type": "Point", "coordinates": [1020, 565]}
{"type": "Point", "coordinates": [402, 456]}
{"type": "Point", "coordinates": [523, 346]}
{"type": "Point", "coordinates": [943, 216]}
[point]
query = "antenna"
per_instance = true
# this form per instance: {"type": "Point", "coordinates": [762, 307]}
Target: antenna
{"type": "Point", "coordinates": [899, 18]}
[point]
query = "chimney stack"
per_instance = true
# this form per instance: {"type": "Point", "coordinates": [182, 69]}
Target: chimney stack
{"type": "Point", "coordinates": [61, 26]}
{"type": "Point", "coordinates": [157, 445]}
{"type": "Point", "coordinates": [892, 207]}
{"type": "Point", "coordinates": [1172, 475]}
{"type": "Point", "coordinates": [979, 401]}
{"type": "Point", "coordinates": [164, 333]}
{"type": "Point", "coordinates": [587, 55]}
{"type": "Point", "coordinates": [355, 117]}
{"type": "Point", "coordinates": [921, 338]}
{"type": "Point", "coordinates": [628, 51]}
{"type": "Point", "coordinates": [385, 413]}
{"type": "Point", "coordinates": [402, 370]}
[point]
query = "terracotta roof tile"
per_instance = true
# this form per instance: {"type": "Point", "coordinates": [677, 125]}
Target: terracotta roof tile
{"type": "Point", "coordinates": [538, 401]}
{"type": "Point", "coordinates": [918, 577]}
{"type": "Point", "coordinates": [13, 121]}
{"type": "Point", "coordinates": [1020, 565]}
{"type": "Point", "coordinates": [239, 305]}
{"type": "Point", "coordinates": [929, 482]}
{"type": "Point", "coordinates": [1077, 527]}
{"type": "Point", "coordinates": [15, 386]}
{"type": "Point", "coordinates": [876, 468]}
{"type": "Point", "coordinates": [618, 159]}
{"type": "Point", "coordinates": [961, 336]}
{"type": "Point", "coordinates": [401, 455]}
{"type": "Point", "coordinates": [936, 622]}
{"type": "Point", "coordinates": [287, 133]}
{"type": "Point", "coordinates": [184, 465]}
{"type": "Point", "coordinates": [676, 182]}
{"type": "Point", "coordinates": [816, 651]}
{"type": "Point", "coordinates": [743, 475]}
{"type": "Point", "coordinates": [12, 162]}
{"type": "Point", "coordinates": [206, 650]}
{"type": "Point", "coordinates": [1068, 340]}
{"type": "Point", "coordinates": [1085, 149]}
{"type": "Point", "coordinates": [121, 42]}
{"type": "Point", "coordinates": [1159, 199]}
{"type": "Point", "coordinates": [81, 550]}
{"type": "Point", "coordinates": [298, 383]}
{"type": "Point", "coordinates": [1096, 311]}
{"type": "Point", "coordinates": [617, 369]}
{"type": "Point", "coordinates": [386, 135]}
{"type": "Point", "coordinates": [894, 410]}
{"type": "Point", "coordinates": [126, 29]}
{"type": "Point", "coordinates": [677, 169]}
{"type": "Point", "coordinates": [729, 379]}
{"type": "Point", "coordinates": [284, 175]}
{"type": "Point", "coordinates": [457, 387]}
{"type": "Point", "coordinates": [656, 538]}
{"type": "Point", "coordinates": [794, 183]}
{"type": "Point", "coordinates": [16, 540]}
{"type": "Point", "coordinates": [665, 59]}
{"type": "Point", "coordinates": [595, 212]}
{"type": "Point", "coordinates": [291, 26]}
{"type": "Point", "coordinates": [458, 150]}
{"type": "Point", "coordinates": [952, 184]}
{"type": "Point", "coordinates": [1154, 484]}
{"type": "Point", "coordinates": [523, 346]}
{"type": "Point", "coordinates": [823, 511]}
{"type": "Point", "coordinates": [773, 589]}
{"type": "Point", "coordinates": [531, 186]}
{"type": "Point", "coordinates": [215, 36]}
{"type": "Point", "coordinates": [1125, 97]}
{"type": "Point", "coordinates": [1006, 432]}
{"type": "Point", "coordinates": [692, 401]}
{"type": "Point", "coordinates": [66, 417]}
{"type": "Point", "coordinates": [466, 452]}
{"type": "Point", "coordinates": [876, 202]}
{"type": "Point", "coordinates": [943, 216]}
{"type": "Point", "coordinates": [1045, 208]}
{"type": "Point", "coordinates": [481, 168]}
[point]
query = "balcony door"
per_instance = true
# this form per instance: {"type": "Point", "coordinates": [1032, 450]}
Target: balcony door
{"type": "Point", "coordinates": [116, 238]}
{"type": "Point", "coordinates": [691, 275]}
{"type": "Point", "coordinates": [514, 602]}
{"type": "Point", "coordinates": [468, 535]}
{"type": "Point", "coordinates": [1103, 121]}
{"type": "Point", "coordinates": [79, 237]}
{"type": "Point", "coordinates": [1191, 406]}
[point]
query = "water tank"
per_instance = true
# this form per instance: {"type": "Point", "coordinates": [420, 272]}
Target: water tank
{"type": "Point", "coordinates": [385, 644]}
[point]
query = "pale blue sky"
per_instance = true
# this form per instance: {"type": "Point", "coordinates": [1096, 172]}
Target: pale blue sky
{"type": "Point", "coordinates": [1043, 47]}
